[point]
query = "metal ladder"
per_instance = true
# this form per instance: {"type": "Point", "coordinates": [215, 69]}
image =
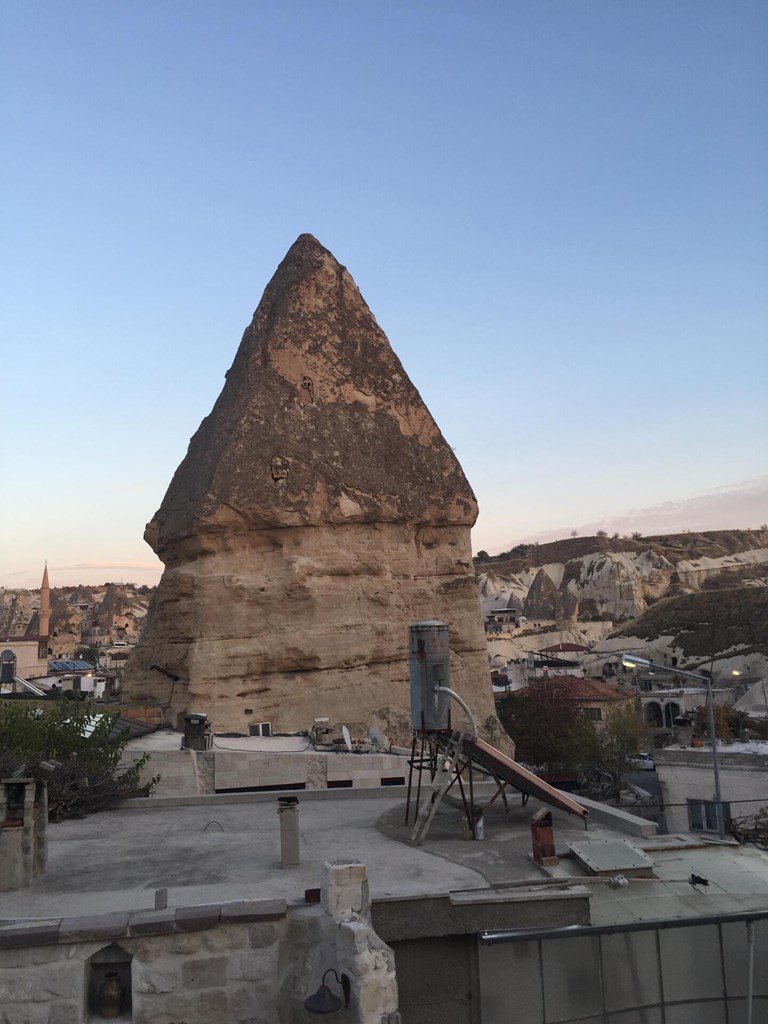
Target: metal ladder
{"type": "Point", "coordinates": [452, 760]}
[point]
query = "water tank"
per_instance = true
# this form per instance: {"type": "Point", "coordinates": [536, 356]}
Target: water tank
{"type": "Point", "coordinates": [7, 667]}
{"type": "Point", "coordinates": [428, 661]}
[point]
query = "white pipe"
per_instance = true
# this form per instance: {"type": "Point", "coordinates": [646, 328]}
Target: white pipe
{"type": "Point", "coordinates": [750, 967]}
{"type": "Point", "coordinates": [30, 686]}
{"type": "Point", "coordinates": [462, 703]}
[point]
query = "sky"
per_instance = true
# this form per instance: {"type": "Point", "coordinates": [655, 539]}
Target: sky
{"type": "Point", "coordinates": [557, 211]}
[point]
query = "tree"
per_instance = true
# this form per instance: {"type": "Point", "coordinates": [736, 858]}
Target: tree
{"type": "Point", "coordinates": [482, 556]}
{"type": "Point", "coordinates": [549, 728]}
{"type": "Point", "coordinates": [624, 733]}
{"type": "Point", "coordinates": [723, 719]}
{"type": "Point", "coordinates": [601, 533]}
{"type": "Point", "coordinates": [87, 653]}
{"type": "Point", "coordinates": [86, 744]}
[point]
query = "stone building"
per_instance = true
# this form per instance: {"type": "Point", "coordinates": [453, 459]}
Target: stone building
{"type": "Point", "coordinates": [32, 648]}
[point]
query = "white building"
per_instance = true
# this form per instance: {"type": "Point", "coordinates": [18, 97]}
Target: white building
{"type": "Point", "coordinates": [687, 783]}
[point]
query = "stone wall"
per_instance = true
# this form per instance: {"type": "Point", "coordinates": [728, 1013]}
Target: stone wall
{"type": "Point", "coordinates": [251, 769]}
{"type": "Point", "coordinates": [192, 772]}
{"type": "Point", "coordinates": [246, 962]}
{"type": "Point", "coordinates": [191, 965]}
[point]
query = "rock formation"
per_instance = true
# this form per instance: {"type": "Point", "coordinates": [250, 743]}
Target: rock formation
{"type": "Point", "coordinates": [542, 599]}
{"type": "Point", "coordinates": [317, 513]}
{"type": "Point", "coordinates": [597, 578]}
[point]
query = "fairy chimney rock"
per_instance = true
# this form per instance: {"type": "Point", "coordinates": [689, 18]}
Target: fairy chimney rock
{"type": "Point", "coordinates": [317, 512]}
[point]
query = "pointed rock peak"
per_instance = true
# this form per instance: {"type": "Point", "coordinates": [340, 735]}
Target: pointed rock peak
{"type": "Point", "coordinates": [317, 424]}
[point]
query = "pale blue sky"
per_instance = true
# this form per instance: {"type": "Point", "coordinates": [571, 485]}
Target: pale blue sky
{"type": "Point", "coordinates": [556, 210]}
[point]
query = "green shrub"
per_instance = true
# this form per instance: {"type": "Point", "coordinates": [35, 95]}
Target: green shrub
{"type": "Point", "coordinates": [83, 740]}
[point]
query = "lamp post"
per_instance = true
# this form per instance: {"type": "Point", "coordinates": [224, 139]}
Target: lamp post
{"type": "Point", "coordinates": [631, 661]}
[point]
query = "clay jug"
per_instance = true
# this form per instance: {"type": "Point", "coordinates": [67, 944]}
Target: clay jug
{"type": "Point", "coordinates": [109, 996]}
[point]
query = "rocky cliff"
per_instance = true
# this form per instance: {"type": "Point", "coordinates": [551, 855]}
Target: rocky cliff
{"type": "Point", "coordinates": [317, 513]}
{"type": "Point", "coordinates": [617, 579]}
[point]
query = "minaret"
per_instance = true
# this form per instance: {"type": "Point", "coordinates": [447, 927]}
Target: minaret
{"type": "Point", "coordinates": [44, 615]}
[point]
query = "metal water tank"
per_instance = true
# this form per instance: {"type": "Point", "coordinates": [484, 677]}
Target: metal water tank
{"type": "Point", "coordinates": [7, 667]}
{"type": "Point", "coordinates": [428, 661]}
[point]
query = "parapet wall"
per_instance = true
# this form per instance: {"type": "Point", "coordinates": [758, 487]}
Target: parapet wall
{"type": "Point", "coordinates": [192, 773]}
{"type": "Point", "coordinates": [231, 963]}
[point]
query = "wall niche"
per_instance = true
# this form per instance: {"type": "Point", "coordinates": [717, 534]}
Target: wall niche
{"type": "Point", "coordinates": [109, 985]}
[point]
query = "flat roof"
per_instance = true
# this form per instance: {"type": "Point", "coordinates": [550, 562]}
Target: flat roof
{"type": "Point", "coordinates": [216, 849]}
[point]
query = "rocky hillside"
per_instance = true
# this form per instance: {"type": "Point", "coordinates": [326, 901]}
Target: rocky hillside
{"type": "Point", "coordinates": [714, 620]}
{"type": "Point", "coordinates": [616, 579]}
{"type": "Point", "coordinates": [87, 615]}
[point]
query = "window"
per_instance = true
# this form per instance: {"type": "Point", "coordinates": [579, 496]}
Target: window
{"type": "Point", "coordinates": [594, 714]}
{"type": "Point", "coordinates": [702, 815]}
{"type": "Point", "coordinates": [260, 729]}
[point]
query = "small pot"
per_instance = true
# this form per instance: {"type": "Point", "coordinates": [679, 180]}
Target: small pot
{"type": "Point", "coordinates": [109, 996]}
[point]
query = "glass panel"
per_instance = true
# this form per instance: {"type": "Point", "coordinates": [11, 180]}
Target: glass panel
{"type": "Point", "coordinates": [735, 948]}
{"type": "Point", "coordinates": [510, 983]}
{"type": "Point", "coordinates": [571, 978]}
{"type": "Point", "coordinates": [691, 964]}
{"type": "Point", "coordinates": [737, 1010]}
{"type": "Point", "coordinates": [630, 970]}
{"type": "Point", "coordinates": [695, 815]}
{"type": "Point", "coordinates": [696, 1013]}
{"type": "Point", "coordinates": [636, 1017]}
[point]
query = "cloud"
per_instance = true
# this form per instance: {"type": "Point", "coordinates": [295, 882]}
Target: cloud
{"type": "Point", "coordinates": [739, 506]}
{"type": "Point", "coordinates": [88, 573]}
{"type": "Point", "coordinates": [90, 566]}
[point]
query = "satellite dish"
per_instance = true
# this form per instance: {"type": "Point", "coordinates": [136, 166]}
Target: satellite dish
{"type": "Point", "coordinates": [377, 737]}
{"type": "Point", "coordinates": [347, 737]}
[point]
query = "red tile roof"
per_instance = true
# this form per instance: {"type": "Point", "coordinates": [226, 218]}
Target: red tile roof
{"type": "Point", "coordinates": [586, 689]}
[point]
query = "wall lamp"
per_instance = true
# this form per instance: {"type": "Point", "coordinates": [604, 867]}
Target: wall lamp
{"type": "Point", "coordinates": [324, 1001]}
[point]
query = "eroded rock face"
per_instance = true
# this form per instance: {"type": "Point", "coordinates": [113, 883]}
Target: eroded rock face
{"type": "Point", "coordinates": [317, 513]}
{"type": "Point", "coordinates": [542, 599]}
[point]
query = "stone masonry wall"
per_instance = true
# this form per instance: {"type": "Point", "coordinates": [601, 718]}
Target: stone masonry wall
{"type": "Point", "coordinates": [245, 962]}
{"type": "Point", "coordinates": [192, 965]}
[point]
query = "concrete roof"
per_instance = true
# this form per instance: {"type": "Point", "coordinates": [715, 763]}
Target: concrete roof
{"type": "Point", "coordinates": [223, 848]}
{"type": "Point", "coordinates": [220, 848]}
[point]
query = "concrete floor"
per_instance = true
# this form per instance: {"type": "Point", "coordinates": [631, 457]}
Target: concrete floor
{"type": "Point", "coordinates": [223, 851]}
{"type": "Point", "coordinates": [115, 860]}
{"type": "Point", "coordinates": [219, 851]}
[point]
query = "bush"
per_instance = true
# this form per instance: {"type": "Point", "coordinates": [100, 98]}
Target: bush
{"type": "Point", "coordinates": [89, 776]}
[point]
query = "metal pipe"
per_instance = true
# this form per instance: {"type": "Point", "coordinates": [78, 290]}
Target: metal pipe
{"type": "Point", "coordinates": [715, 765]}
{"type": "Point", "coordinates": [462, 703]}
{"type": "Point", "coordinates": [578, 930]}
{"type": "Point", "coordinates": [750, 968]}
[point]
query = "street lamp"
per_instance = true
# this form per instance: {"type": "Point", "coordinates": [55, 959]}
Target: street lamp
{"type": "Point", "coordinates": [632, 661]}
